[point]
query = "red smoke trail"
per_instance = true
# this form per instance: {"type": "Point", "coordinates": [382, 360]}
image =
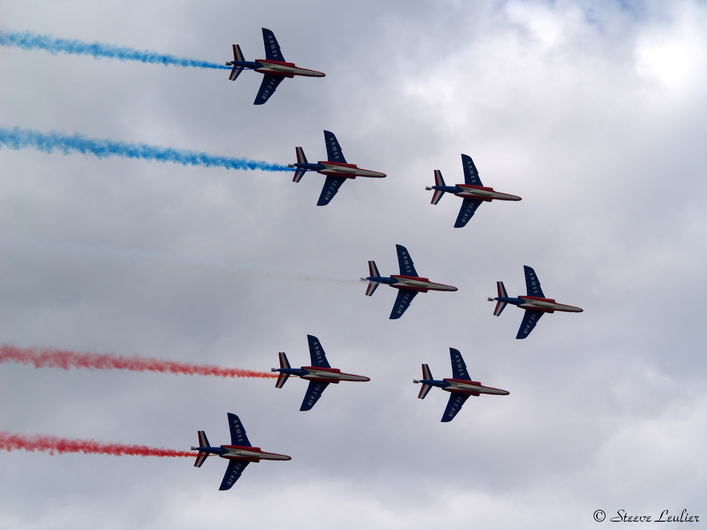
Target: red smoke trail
{"type": "Point", "coordinates": [38, 442]}
{"type": "Point", "coordinates": [53, 358]}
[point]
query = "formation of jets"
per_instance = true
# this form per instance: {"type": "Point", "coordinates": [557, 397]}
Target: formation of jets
{"type": "Point", "coordinates": [408, 283]}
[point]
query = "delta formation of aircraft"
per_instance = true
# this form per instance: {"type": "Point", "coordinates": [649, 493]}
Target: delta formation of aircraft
{"type": "Point", "coordinates": [534, 303]}
{"type": "Point", "coordinates": [460, 386]}
{"type": "Point", "coordinates": [273, 67]}
{"type": "Point", "coordinates": [408, 282]}
{"type": "Point", "coordinates": [239, 454]}
{"type": "Point", "coordinates": [335, 168]}
{"type": "Point", "coordinates": [319, 375]}
{"type": "Point", "coordinates": [472, 191]}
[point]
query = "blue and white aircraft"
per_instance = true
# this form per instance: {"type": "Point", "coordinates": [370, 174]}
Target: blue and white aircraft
{"type": "Point", "coordinates": [408, 282]}
{"type": "Point", "coordinates": [534, 303]}
{"type": "Point", "coordinates": [319, 375]}
{"type": "Point", "coordinates": [239, 454]}
{"type": "Point", "coordinates": [274, 67]}
{"type": "Point", "coordinates": [472, 191]}
{"type": "Point", "coordinates": [460, 386]}
{"type": "Point", "coordinates": [336, 169]}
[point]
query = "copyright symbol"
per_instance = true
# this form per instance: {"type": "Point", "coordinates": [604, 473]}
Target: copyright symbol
{"type": "Point", "coordinates": [599, 516]}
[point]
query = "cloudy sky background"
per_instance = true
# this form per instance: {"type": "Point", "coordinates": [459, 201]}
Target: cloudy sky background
{"type": "Point", "coordinates": [594, 112]}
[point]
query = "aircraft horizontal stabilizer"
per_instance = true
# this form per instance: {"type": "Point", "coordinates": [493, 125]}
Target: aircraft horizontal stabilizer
{"type": "Point", "coordinates": [500, 306]}
{"type": "Point", "coordinates": [439, 181]}
{"type": "Point", "coordinates": [203, 442]}
{"type": "Point", "coordinates": [284, 363]}
{"type": "Point", "coordinates": [371, 288]}
{"type": "Point", "coordinates": [237, 56]}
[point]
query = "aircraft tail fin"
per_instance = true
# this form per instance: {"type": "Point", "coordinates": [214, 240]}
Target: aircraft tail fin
{"type": "Point", "coordinates": [237, 56]}
{"type": "Point", "coordinates": [203, 442]}
{"type": "Point", "coordinates": [301, 159]}
{"type": "Point", "coordinates": [439, 181]}
{"type": "Point", "coordinates": [284, 363]}
{"type": "Point", "coordinates": [500, 306]}
{"type": "Point", "coordinates": [373, 272]}
{"type": "Point", "coordinates": [426, 375]}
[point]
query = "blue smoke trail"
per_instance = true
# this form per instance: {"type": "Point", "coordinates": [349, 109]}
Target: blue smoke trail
{"type": "Point", "coordinates": [31, 41]}
{"type": "Point", "coordinates": [17, 138]}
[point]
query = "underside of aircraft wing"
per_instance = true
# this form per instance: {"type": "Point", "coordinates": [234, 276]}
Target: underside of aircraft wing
{"type": "Point", "coordinates": [458, 365]}
{"type": "Point", "coordinates": [331, 186]}
{"type": "Point", "coordinates": [407, 267]}
{"type": "Point", "coordinates": [333, 149]}
{"type": "Point", "coordinates": [272, 48]}
{"type": "Point", "coordinates": [454, 405]}
{"type": "Point", "coordinates": [530, 318]}
{"type": "Point", "coordinates": [471, 175]}
{"type": "Point", "coordinates": [238, 436]}
{"type": "Point", "coordinates": [314, 392]}
{"type": "Point", "coordinates": [402, 302]}
{"type": "Point", "coordinates": [466, 212]}
{"type": "Point", "coordinates": [316, 353]}
{"type": "Point", "coordinates": [233, 473]}
{"type": "Point", "coordinates": [267, 88]}
{"type": "Point", "coordinates": [532, 283]}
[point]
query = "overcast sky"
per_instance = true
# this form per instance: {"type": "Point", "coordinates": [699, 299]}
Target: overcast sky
{"type": "Point", "coordinates": [594, 112]}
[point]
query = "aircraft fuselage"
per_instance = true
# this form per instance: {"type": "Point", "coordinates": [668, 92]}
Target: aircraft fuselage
{"type": "Point", "coordinates": [472, 387]}
{"type": "Point", "coordinates": [239, 452]}
{"type": "Point", "coordinates": [479, 193]}
{"type": "Point", "coordinates": [330, 375]}
{"type": "Point", "coordinates": [252, 454]}
{"type": "Point", "coordinates": [413, 283]}
{"type": "Point", "coordinates": [547, 305]}
{"type": "Point", "coordinates": [340, 169]}
{"type": "Point", "coordinates": [279, 68]}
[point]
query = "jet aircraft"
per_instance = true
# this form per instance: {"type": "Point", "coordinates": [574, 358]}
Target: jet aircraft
{"type": "Point", "coordinates": [239, 454]}
{"type": "Point", "coordinates": [320, 374]}
{"type": "Point", "coordinates": [472, 191]}
{"type": "Point", "coordinates": [335, 168]}
{"type": "Point", "coordinates": [534, 303]}
{"type": "Point", "coordinates": [460, 386]}
{"type": "Point", "coordinates": [408, 282]}
{"type": "Point", "coordinates": [274, 67]}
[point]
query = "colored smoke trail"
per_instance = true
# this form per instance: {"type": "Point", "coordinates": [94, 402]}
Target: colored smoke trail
{"type": "Point", "coordinates": [17, 138]}
{"type": "Point", "coordinates": [53, 444]}
{"type": "Point", "coordinates": [31, 41]}
{"type": "Point", "coordinates": [65, 359]}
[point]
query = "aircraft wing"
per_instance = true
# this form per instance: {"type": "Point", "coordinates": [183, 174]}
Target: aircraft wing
{"type": "Point", "coordinates": [532, 283]}
{"type": "Point", "coordinates": [407, 268]}
{"type": "Point", "coordinates": [267, 87]}
{"type": "Point", "coordinates": [402, 302]}
{"type": "Point", "coordinates": [238, 436]}
{"type": "Point", "coordinates": [233, 473]}
{"type": "Point", "coordinates": [471, 175]}
{"type": "Point", "coordinates": [272, 48]}
{"type": "Point", "coordinates": [467, 210]}
{"type": "Point", "coordinates": [331, 186]}
{"type": "Point", "coordinates": [530, 318]}
{"type": "Point", "coordinates": [458, 365]}
{"type": "Point", "coordinates": [454, 405]}
{"type": "Point", "coordinates": [314, 392]}
{"type": "Point", "coordinates": [316, 353]}
{"type": "Point", "coordinates": [333, 149]}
